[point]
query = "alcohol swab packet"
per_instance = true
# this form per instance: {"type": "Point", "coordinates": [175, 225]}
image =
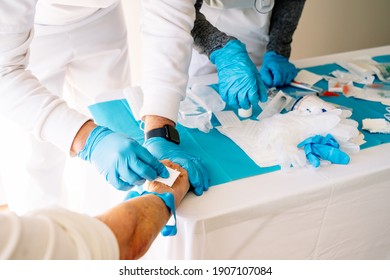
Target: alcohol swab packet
{"type": "Point", "coordinates": [307, 77]}
{"type": "Point", "coordinates": [173, 174]}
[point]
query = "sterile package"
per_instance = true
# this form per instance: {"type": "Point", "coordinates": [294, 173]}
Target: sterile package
{"type": "Point", "coordinates": [346, 77]}
{"type": "Point", "coordinates": [196, 109]}
{"type": "Point", "coordinates": [376, 125]}
{"type": "Point", "coordinates": [383, 72]}
{"type": "Point", "coordinates": [363, 67]}
{"type": "Point", "coordinates": [307, 77]}
{"type": "Point", "coordinates": [173, 174]}
{"type": "Point", "coordinates": [374, 92]}
{"type": "Point", "coordinates": [276, 104]}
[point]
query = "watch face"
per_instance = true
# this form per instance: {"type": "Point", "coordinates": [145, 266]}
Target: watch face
{"type": "Point", "coordinates": [173, 135]}
{"type": "Point", "coordinates": [167, 132]}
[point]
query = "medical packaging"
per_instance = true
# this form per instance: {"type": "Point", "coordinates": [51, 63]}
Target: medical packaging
{"type": "Point", "coordinates": [362, 67]}
{"type": "Point", "coordinates": [346, 77]}
{"type": "Point", "coordinates": [306, 86]}
{"type": "Point", "coordinates": [383, 72]}
{"type": "Point", "coordinates": [374, 92]}
{"type": "Point", "coordinates": [197, 108]}
{"type": "Point", "coordinates": [276, 103]}
{"type": "Point", "coordinates": [307, 77]}
{"type": "Point", "coordinates": [365, 68]}
{"type": "Point", "coordinates": [376, 125]}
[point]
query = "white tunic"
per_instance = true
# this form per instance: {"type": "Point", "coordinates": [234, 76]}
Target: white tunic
{"type": "Point", "coordinates": [55, 233]}
{"type": "Point", "coordinates": [22, 97]}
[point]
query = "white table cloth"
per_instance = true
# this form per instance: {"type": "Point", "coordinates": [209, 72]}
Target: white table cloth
{"type": "Point", "coordinates": [334, 212]}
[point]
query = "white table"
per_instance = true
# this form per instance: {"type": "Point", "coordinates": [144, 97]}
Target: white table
{"type": "Point", "coordinates": [335, 212]}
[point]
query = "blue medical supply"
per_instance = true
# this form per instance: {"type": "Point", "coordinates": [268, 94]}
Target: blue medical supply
{"type": "Point", "coordinates": [240, 84]}
{"type": "Point", "coordinates": [326, 148]}
{"type": "Point", "coordinates": [197, 172]}
{"type": "Point", "coordinates": [121, 159]}
{"type": "Point", "coordinates": [276, 70]}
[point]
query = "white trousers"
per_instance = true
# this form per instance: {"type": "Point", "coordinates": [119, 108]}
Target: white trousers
{"type": "Point", "coordinates": [79, 63]}
{"type": "Point", "coordinates": [246, 24]}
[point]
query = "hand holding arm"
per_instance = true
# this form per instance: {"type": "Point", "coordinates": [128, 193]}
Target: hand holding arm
{"type": "Point", "coordinates": [163, 149]}
{"type": "Point", "coordinates": [120, 159]}
{"type": "Point", "coordinates": [197, 172]}
{"type": "Point", "coordinates": [137, 222]}
{"type": "Point", "coordinates": [126, 230]}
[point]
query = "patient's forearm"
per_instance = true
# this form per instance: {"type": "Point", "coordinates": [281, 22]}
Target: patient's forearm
{"type": "Point", "coordinates": [137, 222]}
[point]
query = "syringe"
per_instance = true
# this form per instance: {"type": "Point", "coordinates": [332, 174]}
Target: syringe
{"type": "Point", "coordinates": [306, 86]}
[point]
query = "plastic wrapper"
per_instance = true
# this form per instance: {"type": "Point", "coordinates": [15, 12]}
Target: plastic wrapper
{"type": "Point", "coordinates": [197, 108]}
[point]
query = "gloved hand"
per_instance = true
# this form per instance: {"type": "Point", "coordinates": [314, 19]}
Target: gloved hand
{"type": "Point", "coordinates": [121, 159]}
{"type": "Point", "coordinates": [320, 147]}
{"type": "Point", "coordinates": [276, 70]}
{"type": "Point", "coordinates": [240, 83]}
{"type": "Point", "coordinates": [197, 172]}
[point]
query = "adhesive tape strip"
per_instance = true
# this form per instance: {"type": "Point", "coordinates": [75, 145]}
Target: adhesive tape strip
{"type": "Point", "coordinates": [245, 113]}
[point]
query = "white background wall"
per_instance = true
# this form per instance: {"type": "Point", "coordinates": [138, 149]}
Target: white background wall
{"type": "Point", "coordinates": [326, 26]}
{"type": "Point", "coordinates": [332, 26]}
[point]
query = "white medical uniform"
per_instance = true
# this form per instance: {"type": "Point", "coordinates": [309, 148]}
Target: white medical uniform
{"type": "Point", "coordinates": [47, 45]}
{"type": "Point", "coordinates": [237, 18]}
{"type": "Point", "coordinates": [55, 233]}
{"type": "Point", "coordinates": [167, 47]}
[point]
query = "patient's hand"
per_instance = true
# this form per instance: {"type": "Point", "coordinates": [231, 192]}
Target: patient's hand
{"type": "Point", "coordinates": [180, 187]}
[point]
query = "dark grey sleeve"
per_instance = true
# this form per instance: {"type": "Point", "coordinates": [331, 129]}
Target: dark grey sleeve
{"type": "Point", "coordinates": [284, 21]}
{"type": "Point", "coordinates": [207, 38]}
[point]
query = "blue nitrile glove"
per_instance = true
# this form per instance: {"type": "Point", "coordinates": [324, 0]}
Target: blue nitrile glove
{"type": "Point", "coordinates": [240, 83]}
{"type": "Point", "coordinates": [320, 147]}
{"type": "Point", "coordinates": [276, 70]}
{"type": "Point", "coordinates": [197, 172]}
{"type": "Point", "coordinates": [121, 159]}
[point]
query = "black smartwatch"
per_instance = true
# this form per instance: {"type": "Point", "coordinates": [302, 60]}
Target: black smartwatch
{"type": "Point", "coordinates": [167, 132]}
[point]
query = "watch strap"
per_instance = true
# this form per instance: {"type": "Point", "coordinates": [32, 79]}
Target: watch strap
{"type": "Point", "coordinates": [167, 132]}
